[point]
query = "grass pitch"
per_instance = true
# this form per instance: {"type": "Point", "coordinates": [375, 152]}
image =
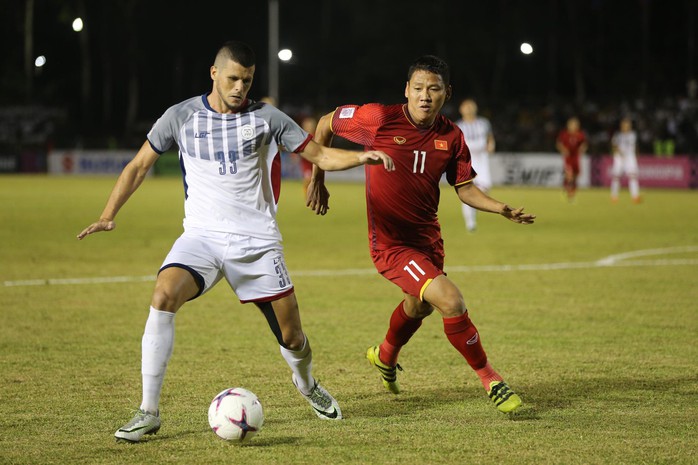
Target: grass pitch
{"type": "Point", "coordinates": [590, 315]}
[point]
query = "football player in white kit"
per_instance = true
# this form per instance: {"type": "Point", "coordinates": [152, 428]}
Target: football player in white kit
{"type": "Point", "coordinates": [229, 154]}
{"type": "Point", "coordinates": [624, 144]}
{"type": "Point", "coordinates": [478, 135]}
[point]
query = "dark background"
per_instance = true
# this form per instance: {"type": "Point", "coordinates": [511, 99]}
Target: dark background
{"type": "Point", "coordinates": [598, 59]}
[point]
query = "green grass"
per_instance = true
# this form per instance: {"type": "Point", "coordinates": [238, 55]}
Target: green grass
{"type": "Point", "coordinates": [605, 358]}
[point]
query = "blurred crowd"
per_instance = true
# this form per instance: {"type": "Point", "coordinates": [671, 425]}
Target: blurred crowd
{"type": "Point", "coordinates": [665, 127]}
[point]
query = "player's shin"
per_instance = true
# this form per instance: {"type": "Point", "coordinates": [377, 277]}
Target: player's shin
{"type": "Point", "coordinates": [463, 335]}
{"type": "Point", "coordinates": [401, 329]}
{"type": "Point", "coordinates": [301, 364]}
{"type": "Point", "coordinates": [156, 349]}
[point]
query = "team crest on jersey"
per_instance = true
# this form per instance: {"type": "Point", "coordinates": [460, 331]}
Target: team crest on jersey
{"type": "Point", "coordinates": [247, 132]}
{"type": "Point", "coordinates": [440, 144]}
{"type": "Point", "coordinates": [347, 113]}
{"type": "Point", "coordinates": [399, 140]}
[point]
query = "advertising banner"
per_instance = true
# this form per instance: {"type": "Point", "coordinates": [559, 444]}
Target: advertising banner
{"type": "Point", "coordinates": [675, 172]}
{"type": "Point", "coordinates": [534, 169]}
{"type": "Point", "coordinates": [88, 162]}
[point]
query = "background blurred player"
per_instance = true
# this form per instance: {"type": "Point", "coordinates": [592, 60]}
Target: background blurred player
{"type": "Point", "coordinates": [480, 139]}
{"type": "Point", "coordinates": [404, 232]}
{"type": "Point", "coordinates": [228, 148]}
{"type": "Point", "coordinates": [624, 145]}
{"type": "Point", "coordinates": [571, 143]}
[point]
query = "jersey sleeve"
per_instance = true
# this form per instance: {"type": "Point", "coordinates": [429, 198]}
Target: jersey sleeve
{"type": "Point", "coordinates": [358, 124]}
{"type": "Point", "coordinates": [460, 169]}
{"type": "Point", "coordinates": [163, 133]}
{"type": "Point", "coordinates": [285, 131]}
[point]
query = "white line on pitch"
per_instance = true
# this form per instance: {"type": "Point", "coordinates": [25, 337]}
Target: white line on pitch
{"type": "Point", "coordinates": [367, 271]}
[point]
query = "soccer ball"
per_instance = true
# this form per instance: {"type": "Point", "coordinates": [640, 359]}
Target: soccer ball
{"type": "Point", "coordinates": [236, 415]}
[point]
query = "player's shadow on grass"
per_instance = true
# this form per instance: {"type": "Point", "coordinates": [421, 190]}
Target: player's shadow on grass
{"type": "Point", "coordinates": [255, 442]}
{"type": "Point", "coordinates": [381, 404]}
{"type": "Point", "coordinates": [539, 399]}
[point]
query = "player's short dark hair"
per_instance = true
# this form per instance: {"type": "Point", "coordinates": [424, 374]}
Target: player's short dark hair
{"type": "Point", "coordinates": [433, 64]}
{"type": "Point", "coordinates": [237, 51]}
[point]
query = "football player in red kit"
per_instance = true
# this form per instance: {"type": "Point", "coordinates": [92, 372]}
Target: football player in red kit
{"type": "Point", "coordinates": [404, 232]}
{"type": "Point", "coordinates": [571, 143]}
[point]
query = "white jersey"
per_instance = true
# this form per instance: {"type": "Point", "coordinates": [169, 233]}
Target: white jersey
{"type": "Point", "coordinates": [230, 163]}
{"type": "Point", "coordinates": [476, 133]}
{"type": "Point", "coordinates": [624, 159]}
{"type": "Point", "coordinates": [625, 142]}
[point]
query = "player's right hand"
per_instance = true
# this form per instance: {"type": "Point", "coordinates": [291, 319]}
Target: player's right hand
{"type": "Point", "coordinates": [317, 197]}
{"type": "Point", "coordinates": [101, 225]}
{"type": "Point", "coordinates": [518, 215]}
{"type": "Point", "coordinates": [376, 157]}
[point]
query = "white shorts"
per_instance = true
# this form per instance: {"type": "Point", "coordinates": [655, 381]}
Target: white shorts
{"type": "Point", "coordinates": [481, 165]}
{"type": "Point", "coordinates": [624, 164]}
{"type": "Point", "coordinates": [254, 268]}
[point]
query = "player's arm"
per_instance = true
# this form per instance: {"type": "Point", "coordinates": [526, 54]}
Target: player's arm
{"type": "Point", "coordinates": [490, 142]}
{"type": "Point", "coordinates": [471, 195]}
{"type": "Point", "coordinates": [583, 147]}
{"type": "Point", "coordinates": [615, 149]}
{"type": "Point", "coordinates": [317, 196]}
{"type": "Point", "coordinates": [561, 147]}
{"type": "Point", "coordinates": [333, 159]}
{"type": "Point", "coordinates": [129, 180]}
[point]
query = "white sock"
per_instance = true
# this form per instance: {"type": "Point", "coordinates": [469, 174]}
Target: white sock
{"type": "Point", "coordinates": [156, 350]}
{"type": "Point", "coordinates": [615, 187]}
{"type": "Point", "coordinates": [634, 187]}
{"type": "Point", "coordinates": [301, 364]}
{"type": "Point", "coordinates": [469, 215]}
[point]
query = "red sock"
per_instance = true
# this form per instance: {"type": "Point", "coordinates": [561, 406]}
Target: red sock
{"type": "Point", "coordinates": [487, 375]}
{"type": "Point", "coordinates": [401, 329]}
{"type": "Point", "coordinates": [463, 335]}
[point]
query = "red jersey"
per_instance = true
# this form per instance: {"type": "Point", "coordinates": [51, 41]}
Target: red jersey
{"type": "Point", "coordinates": [572, 141]}
{"type": "Point", "coordinates": [402, 204]}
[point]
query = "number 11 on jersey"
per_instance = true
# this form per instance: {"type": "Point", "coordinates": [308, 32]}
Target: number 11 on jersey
{"type": "Point", "coordinates": [419, 160]}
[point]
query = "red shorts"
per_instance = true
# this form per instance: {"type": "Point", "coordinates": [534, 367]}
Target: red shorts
{"type": "Point", "coordinates": [572, 164]}
{"type": "Point", "coordinates": [411, 269]}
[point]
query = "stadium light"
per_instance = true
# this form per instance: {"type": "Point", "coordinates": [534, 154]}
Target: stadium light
{"type": "Point", "coordinates": [526, 48]}
{"type": "Point", "coordinates": [285, 54]}
{"type": "Point", "coordinates": [40, 61]}
{"type": "Point", "coordinates": [77, 24]}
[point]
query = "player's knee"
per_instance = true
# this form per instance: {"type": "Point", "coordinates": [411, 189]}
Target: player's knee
{"type": "Point", "coordinates": [166, 299]}
{"type": "Point", "coordinates": [416, 309]}
{"type": "Point", "coordinates": [452, 305]}
{"type": "Point", "coordinates": [423, 311]}
{"type": "Point", "coordinates": [293, 340]}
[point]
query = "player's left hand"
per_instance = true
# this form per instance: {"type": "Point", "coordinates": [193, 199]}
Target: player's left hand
{"type": "Point", "coordinates": [518, 215]}
{"type": "Point", "coordinates": [376, 157]}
